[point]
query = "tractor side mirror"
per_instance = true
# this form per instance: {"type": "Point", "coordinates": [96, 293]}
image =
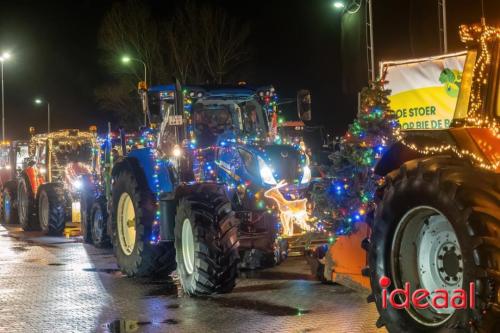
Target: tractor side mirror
{"type": "Point", "coordinates": [304, 104]}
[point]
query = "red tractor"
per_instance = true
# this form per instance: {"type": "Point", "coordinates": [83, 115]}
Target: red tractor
{"type": "Point", "coordinates": [12, 157]}
{"type": "Point", "coordinates": [48, 188]}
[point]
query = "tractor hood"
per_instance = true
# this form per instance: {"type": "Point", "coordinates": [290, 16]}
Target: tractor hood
{"type": "Point", "coordinates": [287, 164]}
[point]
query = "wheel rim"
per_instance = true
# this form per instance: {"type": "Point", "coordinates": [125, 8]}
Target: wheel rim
{"type": "Point", "coordinates": [426, 253]}
{"type": "Point", "coordinates": [97, 223]}
{"type": "Point", "coordinates": [126, 224]}
{"type": "Point", "coordinates": [44, 211]}
{"type": "Point", "coordinates": [188, 246]}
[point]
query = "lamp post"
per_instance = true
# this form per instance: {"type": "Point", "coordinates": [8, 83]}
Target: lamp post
{"type": "Point", "coordinates": [127, 60]}
{"type": "Point", "coordinates": [39, 102]}
{"type": "Point", "coordinates": [344, 6]}
{"type": "Point", "coordinates": [5, 56]}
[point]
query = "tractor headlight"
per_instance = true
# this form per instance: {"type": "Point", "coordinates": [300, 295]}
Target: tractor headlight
{"type": "Point", "coordinates": [177, 151]}
{"type": "Point", "coordinates": [266, 173]}
{"type": "Point", "coordinates": [306, 176]}
{"type": "Point", "coordinates": [77, 184]}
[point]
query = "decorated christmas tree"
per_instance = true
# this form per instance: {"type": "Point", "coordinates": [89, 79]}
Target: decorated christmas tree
{"type": "Point", "coordinates": [346, 195]}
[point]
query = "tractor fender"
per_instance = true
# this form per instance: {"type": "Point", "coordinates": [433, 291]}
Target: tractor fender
{"type": "Point", "coordinates": [394, 157]}
{"type": "Point", "coordinates": [33, 177]}
{"type": "Point", "coordinates": [156, 173]}
{"type": "Point", "coordinates": [431, 164]}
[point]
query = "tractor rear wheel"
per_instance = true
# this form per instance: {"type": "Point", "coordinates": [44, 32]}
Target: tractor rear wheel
{"type": "Point", "coordinates": [132, 227]}
{"type": "Point", "coordinates": [98, 223]}
{"type": "Point", "coordinates": [51, 208]}
{"type": "Point", "coordinates": [9, 204]}
{"type": "Point", "coordinates": [437, 228]}
{"type": "Point", "coordinates": [206, 244]}
{"type": "Point", "coordinates": [26, 205]}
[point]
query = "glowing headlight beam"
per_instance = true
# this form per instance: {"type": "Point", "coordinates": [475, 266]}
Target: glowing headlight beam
{"type": "Point", "coordinates": [266, 173]}
{"type": "Point", "coordinates": [306, 177]}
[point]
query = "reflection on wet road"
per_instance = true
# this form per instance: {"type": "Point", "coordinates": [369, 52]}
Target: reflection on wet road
{"type": "Point", "coordinates": [56, 285]}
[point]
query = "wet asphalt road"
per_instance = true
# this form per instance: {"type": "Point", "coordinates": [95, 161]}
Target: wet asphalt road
{"type": "Point", "coordinates": [50, 284]}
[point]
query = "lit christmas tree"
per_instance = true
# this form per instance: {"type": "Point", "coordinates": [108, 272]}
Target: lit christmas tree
{"type": "Point", "coordinates": [346, 195]}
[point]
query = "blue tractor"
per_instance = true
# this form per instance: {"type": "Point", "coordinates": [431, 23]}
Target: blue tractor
{"type": "Point", "coordinates": [207, 183]}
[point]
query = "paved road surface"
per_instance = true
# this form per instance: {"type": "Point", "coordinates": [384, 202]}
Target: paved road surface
{"type": "Point", "coordinates": [54, 285]}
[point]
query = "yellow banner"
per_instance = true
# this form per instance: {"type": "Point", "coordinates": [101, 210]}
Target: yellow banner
{"type": "Point", "coordinates": [424, 91]}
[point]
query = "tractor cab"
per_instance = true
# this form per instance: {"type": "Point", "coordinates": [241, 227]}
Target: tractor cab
{"type": "Point", "coordinates": [63, 154]}
{"type": "Point", "coordinates": [473, 134]}
{"type": "Point", "coordinates": [13, 155]}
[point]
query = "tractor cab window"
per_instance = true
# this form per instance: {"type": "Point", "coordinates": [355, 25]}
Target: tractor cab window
{"type": "Point", "coordinates": [72, 152]}
{"type": "Point", "coordinates": [40, 153]}
{"type": "Point", "coordinates": [4, 157]}
{"type": "Point", "coordinates": [462, 106]}
{"type": "Point", "coordinates": [210, 121]}
{"type": "Point", "coordinates": [496, 82]}
{"type": "Point", "coordinates": [22, 153]}
{"type": "Point", "coordinates": [252, 119]}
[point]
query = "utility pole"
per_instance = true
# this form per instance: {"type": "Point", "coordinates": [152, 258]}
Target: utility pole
{"type": "Point", "coordinates": [369, 42]}
{"type": "Point", "coordinates": [443, 35]}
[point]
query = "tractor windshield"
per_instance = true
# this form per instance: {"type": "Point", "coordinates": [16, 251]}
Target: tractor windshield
{"type": "Point", "coordinates": [72, 151]}
{"type": "Point", "coordinates": [462, 106]}
{"type": "Point", "coordinates": [213, 118]}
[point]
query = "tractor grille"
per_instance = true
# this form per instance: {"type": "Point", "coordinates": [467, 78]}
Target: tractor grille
{"type": "Point", "coordinates": [286, 166]}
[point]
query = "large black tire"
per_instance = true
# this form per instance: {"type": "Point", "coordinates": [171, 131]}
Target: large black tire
{"type": "Point", "coordinates": [9, 203]}
{"type": "Point", "coordinates": [316, 258]}
{"type": "Point", "coordinates": [51, 208]}
{"type": "Point", "coordinates": [468, 198]}
{"type": "Point", "coordinates": [98, 223]}
{"type": "Point", "coordinates": [144, 259]}
{"type": "Point", "coordinates": [26, 205]}
{"type": "Point", "coordinates": [272, 250]}
{"type": "Point", "coordinates": [214, 230]}
{"type": "Point", "coordinates": [86, 203]}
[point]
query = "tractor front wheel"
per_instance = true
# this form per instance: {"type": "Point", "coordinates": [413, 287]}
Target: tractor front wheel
{"type": "Point", "coordinates": [206, 244]}
{"type": "Point", "coordinates": [132, 227]}
{"type": "Point", "coordinates": [51, 208]}
{"type": "Point", "coordinates": [86, 222]}
{"type": "Point", "coordinates": [98, 223]}
{"type": "Point", "coordinates": [437, 229]}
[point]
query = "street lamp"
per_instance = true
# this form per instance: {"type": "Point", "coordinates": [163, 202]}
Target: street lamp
{"type": "Point", "coordinates": [39, 101]}
{"type": "Point", "coordinates": [338, 4]}
{"type": "Point", "coordinates": [126, 60]}
{"type": "Point", "coordinates": [4, 57]}
{"type": "Point", "coordinates": [341, 5]}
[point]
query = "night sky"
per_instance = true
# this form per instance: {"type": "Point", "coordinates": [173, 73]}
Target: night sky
{"type": "Point", "coordinates": [296, 44]}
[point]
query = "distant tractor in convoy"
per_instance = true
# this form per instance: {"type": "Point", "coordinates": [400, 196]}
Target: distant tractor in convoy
{"type": "Point", "coordinates": [48, 188]}
{"type": "Point", "coordinates": [95, 193]}
{"type": "Point", "coordinates": [12, 157]}
{"type": "Point", "coordinates": [205, 186]}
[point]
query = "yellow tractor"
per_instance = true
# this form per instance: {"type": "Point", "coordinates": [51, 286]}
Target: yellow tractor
{"type": "Point", "coordinates": [430, 254]}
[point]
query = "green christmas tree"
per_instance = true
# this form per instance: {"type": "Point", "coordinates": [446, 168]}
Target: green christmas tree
{"type": "Point", "coordinates": [346, 195]}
